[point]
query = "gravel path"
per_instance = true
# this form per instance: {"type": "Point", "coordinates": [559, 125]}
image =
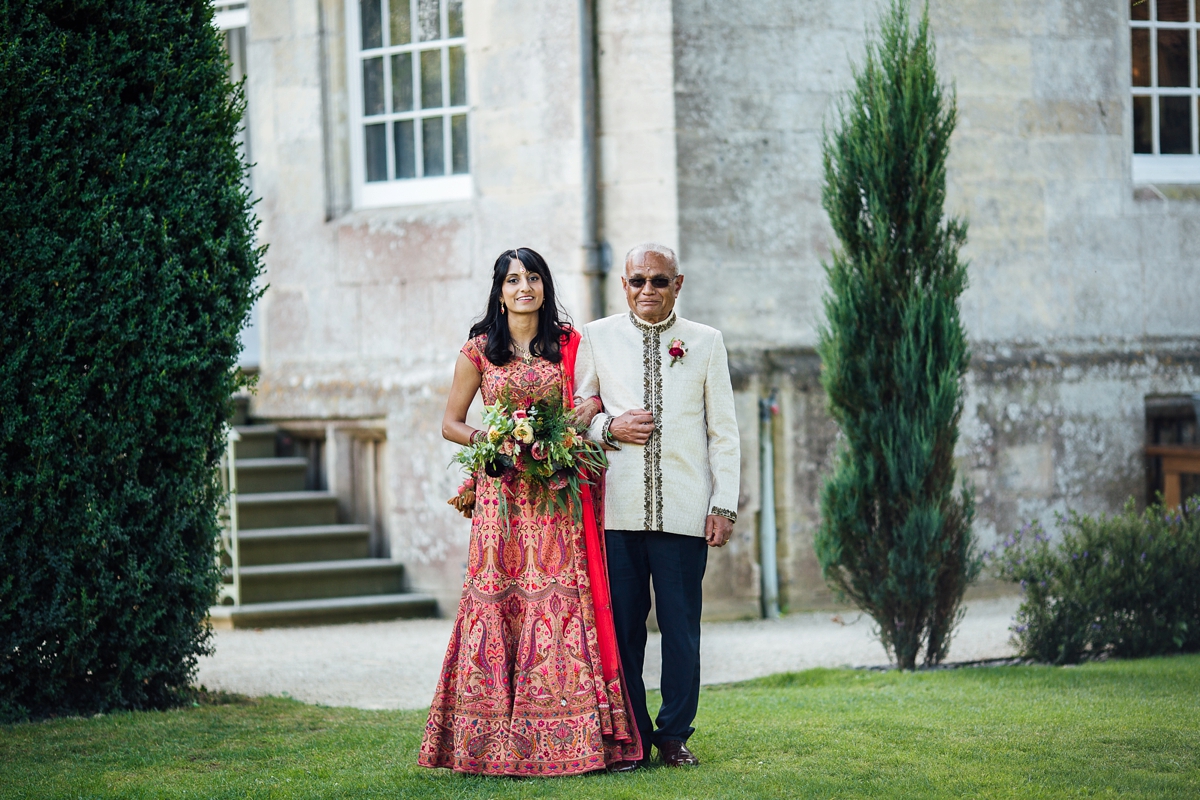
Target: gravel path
{"type": "Point", "coordinates": [395, 664]}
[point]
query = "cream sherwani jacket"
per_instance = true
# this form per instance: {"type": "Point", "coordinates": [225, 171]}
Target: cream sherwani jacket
{"type": "Point", "coordinates": [691, 466]}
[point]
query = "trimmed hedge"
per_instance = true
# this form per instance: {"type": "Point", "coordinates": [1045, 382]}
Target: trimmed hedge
{"type": "Point", "coordinates": [126, 272]}
{"type": "Point", "coordinates": [1127, 585]}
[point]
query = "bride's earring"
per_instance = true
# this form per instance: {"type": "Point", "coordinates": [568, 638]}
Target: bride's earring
{"type": "Point", "coordinates": [503, 309]}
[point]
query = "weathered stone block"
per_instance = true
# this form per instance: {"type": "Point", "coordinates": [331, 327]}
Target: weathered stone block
{"type": "Point", "coordinates": [390, 249]}
{"type": "Point", "coordinates": [1027, 470]}
{"type": "Point", "coordinates": [286, 336]}
{"type": "Point", "coordinates": [991, 68]}
{"type": "Point", "coordinates": [1075, 69]}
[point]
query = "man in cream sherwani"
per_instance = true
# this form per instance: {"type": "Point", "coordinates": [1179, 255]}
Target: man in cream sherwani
{"type": "Point", "coordinates": [672, 486]}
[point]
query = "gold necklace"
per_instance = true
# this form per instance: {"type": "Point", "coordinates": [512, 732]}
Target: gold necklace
{"type": "Point", "coordinates": [525, 355]}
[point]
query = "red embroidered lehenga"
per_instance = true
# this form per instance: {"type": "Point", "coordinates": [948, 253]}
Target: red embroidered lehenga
{"type": "Point", "coordinates": [531, 682]}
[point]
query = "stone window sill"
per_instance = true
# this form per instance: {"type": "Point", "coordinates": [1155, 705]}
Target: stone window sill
{"type": "Point", "coordinates": [1166, 170]}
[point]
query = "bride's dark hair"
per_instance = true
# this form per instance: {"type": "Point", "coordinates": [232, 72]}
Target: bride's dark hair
{"type": "Point", "coordinates": [553, 323]}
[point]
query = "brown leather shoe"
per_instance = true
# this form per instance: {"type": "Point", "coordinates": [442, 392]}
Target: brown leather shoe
{"type": "Point", "coordinates": [676, 754]}
{"type": "Point", "coordinates": [623, 766]}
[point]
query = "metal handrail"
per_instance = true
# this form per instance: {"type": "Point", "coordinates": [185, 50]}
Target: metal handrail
{"type": "Point", "coordinates": [228, 543]}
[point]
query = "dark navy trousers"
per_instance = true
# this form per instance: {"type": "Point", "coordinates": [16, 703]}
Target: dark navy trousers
{"type": "Point", "coordinates": [676, 565]}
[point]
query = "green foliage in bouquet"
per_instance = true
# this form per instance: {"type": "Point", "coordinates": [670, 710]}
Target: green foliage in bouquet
{"type": "Point", "coordinates": [127, 263]}
{"type": "Point", "coordinates": [1126, 585]}
{"type": "Point", "coordinates": [894, 536]}
{"type": "Point", "coordinates": [537, 445]}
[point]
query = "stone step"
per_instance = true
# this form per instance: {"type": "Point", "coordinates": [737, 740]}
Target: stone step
{"type": "Point", "coordinates": [305, 544]}
{"type": "Point", "coordinates": [270, 583]}
{"type": "Point", "coordinates": [258, 475]}
{"type": "Point", "coordinates": [258, 441]}
{"type": "Point", "coordinates": [326, 611]}
{"type": "Point", "coordinates": [286, 509]}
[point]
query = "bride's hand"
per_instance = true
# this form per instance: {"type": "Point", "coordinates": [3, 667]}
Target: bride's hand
{"type": "Point", "coordinates": [582, 416]}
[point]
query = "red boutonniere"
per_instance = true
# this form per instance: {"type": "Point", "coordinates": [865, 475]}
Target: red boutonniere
{"type": "Point", "coordinates": [677, 349]}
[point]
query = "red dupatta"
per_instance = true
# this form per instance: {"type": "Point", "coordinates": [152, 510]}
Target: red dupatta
{"type": "Point", "coordinates": [597, 563]}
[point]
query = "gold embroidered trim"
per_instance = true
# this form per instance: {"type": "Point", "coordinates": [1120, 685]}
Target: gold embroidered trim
{"type": "Point", "coordinates": [724, 512]}
{"type": "Point", "coordinates": [655, 326]}
{"type": "Point", "coordinates": [648, 352]}
{"type": "Point", "coordinates": [656, 439]}
{"type": "Point", "coordinates": [652, 401]}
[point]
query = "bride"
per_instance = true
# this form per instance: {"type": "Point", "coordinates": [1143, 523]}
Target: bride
{"type": "Point", "coordinates": [531, 683]}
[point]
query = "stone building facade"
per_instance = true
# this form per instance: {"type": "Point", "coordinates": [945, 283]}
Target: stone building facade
{"type": "Point", "coordinates": [399, 146]}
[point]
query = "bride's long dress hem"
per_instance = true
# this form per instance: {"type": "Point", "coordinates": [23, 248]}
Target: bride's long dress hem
{"type": "Point", "coordinates": [522, 689]}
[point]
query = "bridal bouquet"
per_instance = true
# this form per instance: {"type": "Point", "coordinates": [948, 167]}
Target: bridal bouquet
{"type": "Point", "coordinates": [535, 443]}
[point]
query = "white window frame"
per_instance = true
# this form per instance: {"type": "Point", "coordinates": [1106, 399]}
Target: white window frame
{"type": "Point", "coordinates": [399, 191]}
{"type": "Point", "coordinates": [230, 14]}
{"type": "Point", "coordinates": [1156, 167]}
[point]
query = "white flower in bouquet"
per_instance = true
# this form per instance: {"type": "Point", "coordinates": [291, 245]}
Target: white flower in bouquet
{"type": "Point", "coordinates": [523, 432]}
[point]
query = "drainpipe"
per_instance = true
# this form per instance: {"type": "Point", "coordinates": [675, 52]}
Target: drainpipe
{"type": "Point", "coordinates": [768, 407]}
{"type": "Point", "coordinates": [596, 260]}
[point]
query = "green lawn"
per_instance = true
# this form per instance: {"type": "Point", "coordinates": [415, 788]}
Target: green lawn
{"type": "Point", "coordinates": [1118, 728]}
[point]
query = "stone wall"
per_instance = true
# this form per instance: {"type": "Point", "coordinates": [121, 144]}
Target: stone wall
{"type": "Point", "coordinates": [1045, 431]}
{"type": "Point", "coordinates": [639, 195]}
{"type": "Point", "coordinates": [1041, 432]}
{"type": "Point", "coordinates": [367, 309]}
{"type": "Point", "coordinates": [1083, 298]}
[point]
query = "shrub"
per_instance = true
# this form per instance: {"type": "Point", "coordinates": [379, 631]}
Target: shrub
{"type": "Point", "coordinates": [1126, 585]}
{"type": "Point", "coordinates": [126, 270]}
{"type": "Point", "coordinates": [894, 536]}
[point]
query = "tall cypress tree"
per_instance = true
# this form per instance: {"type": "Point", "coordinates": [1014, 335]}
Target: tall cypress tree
{"type": "Point", "coordinates": [126, 268]}
{"type": "Point", "coordinates": [894, 536]}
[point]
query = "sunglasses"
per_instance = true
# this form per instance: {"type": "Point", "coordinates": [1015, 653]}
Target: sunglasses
{"type": "Point", "coordinates": [657, 283]}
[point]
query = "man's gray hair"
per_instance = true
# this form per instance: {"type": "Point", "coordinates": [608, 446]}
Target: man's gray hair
{"type": "Point", "coordinates": [650, 247]}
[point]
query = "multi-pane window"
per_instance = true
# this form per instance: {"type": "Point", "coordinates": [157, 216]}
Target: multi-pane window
{"type": "Point", "coordinates": [410, 90]}
{"type": "Point", "coordinates": [1166, 97]}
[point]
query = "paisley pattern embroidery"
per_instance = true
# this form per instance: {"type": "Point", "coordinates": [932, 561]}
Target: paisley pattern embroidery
{"type": "Point", "coordinates": [521, 690]}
